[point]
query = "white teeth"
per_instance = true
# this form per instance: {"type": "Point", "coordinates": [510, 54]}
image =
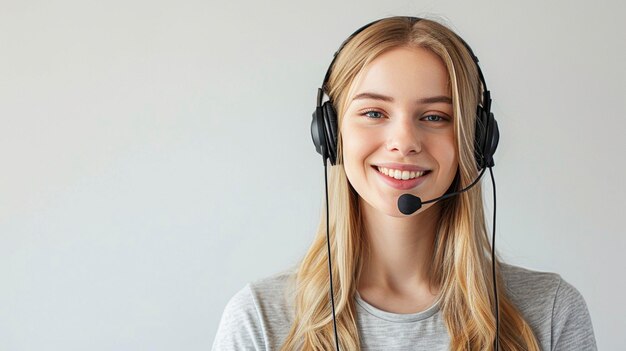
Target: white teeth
{"type": "Point", "coordinates": [405, 175]}
{"type": "Point", "coordinates": [398, 174]}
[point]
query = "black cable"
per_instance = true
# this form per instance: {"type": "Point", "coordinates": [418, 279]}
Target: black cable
{"type": "Point", "coordinates": [493, 263]}
{"type": "Point", "coordinates": [330, 267]}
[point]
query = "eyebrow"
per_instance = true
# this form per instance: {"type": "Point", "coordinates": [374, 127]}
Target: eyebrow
{"type": "Point", "coordinates": [428, 100]}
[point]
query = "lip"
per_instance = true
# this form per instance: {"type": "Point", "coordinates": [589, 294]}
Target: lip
{"type": "Point", "coordinates": [402, 167]}
{"type": "Point", "coordinates": [401, 184]}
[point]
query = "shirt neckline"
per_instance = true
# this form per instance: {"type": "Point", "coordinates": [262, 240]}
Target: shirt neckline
{"type": "Point", "coordinates": [398, 317]}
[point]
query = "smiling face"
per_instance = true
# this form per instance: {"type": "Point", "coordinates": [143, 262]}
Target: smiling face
{"type": "Point", "coordinates": [398, 130]}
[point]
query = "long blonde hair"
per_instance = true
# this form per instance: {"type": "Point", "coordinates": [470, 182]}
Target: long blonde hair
{"type": "Point", "coordinates": [461, 263]}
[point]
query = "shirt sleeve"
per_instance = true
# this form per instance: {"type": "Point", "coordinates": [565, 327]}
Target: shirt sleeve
{"type": "Point", "coordinates": [571, 323]}
{"type": "Point", "coordinates": [240, 327]}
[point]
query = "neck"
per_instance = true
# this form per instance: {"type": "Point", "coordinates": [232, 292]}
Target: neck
{"type": "Point", "coordinates": [401, 250]}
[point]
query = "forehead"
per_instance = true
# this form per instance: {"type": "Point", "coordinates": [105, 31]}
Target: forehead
{"type": "Point", "coordinates": [404, 73]}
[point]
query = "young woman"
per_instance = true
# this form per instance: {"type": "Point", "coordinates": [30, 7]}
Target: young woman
{"type": "Point", "coordinates": [406, 92]}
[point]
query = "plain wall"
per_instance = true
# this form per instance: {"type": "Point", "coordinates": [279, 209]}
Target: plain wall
{"type": "Point", "coordinates": [156, 155]}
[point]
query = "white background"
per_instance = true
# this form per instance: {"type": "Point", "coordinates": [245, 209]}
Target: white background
{"type": "Point", "coordinates": [155, 156]}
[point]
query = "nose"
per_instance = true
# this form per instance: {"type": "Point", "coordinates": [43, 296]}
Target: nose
{"type": "Point", "coordinates": [404, 137]}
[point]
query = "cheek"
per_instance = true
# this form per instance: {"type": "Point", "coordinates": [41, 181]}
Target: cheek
{"type": "Point", "coordinates": [445, 152]}
{"type": "Point", "coordinates": [356, 147]}
{"type": "Point", "coordinates": [352, 153]}
{"type": "Point", "coordinates": [351, 143]}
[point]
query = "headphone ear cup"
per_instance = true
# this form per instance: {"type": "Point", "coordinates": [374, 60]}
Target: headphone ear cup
{"type": "Point", "coordinates": [491, 140]}
{"type": "Point", "coordinates": [486, 138]}
{"type": "Point", "coordinates": [330, 124]}
{"type": "Point", "coordinates": [317, 133]}
{"type": "Point", "coordinates": [479, 137]}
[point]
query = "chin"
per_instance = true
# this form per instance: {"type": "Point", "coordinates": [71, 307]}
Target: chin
{"type": "Point", "coordinates": [388, 210]}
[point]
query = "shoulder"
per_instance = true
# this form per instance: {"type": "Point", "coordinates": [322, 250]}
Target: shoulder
{"type": "Point", "coordinates": [554, 308]}
{"type": "Point", "coordinates": [524, 286]}
{"type": "Point", "coordinates": [257, 316]}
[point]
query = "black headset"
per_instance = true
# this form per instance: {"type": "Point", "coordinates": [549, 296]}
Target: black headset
{"type": "Point", "coordinates": [324, 129]}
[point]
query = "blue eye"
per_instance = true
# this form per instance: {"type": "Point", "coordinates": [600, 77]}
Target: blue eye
{"type": "Point", "coordinates": [434, 118]}
{"type": "Point", "coordinates": [372, 114]}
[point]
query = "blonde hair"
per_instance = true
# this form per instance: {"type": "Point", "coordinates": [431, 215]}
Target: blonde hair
{"type": "Point", "coordinates": [461, 263]}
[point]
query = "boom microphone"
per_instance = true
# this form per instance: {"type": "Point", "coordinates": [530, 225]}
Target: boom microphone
{"type": "Point", "coordinates": [409, 203]}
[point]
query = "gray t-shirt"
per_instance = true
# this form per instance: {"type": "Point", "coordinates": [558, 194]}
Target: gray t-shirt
{"type": "Point", "coordinates": [259, 316]}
